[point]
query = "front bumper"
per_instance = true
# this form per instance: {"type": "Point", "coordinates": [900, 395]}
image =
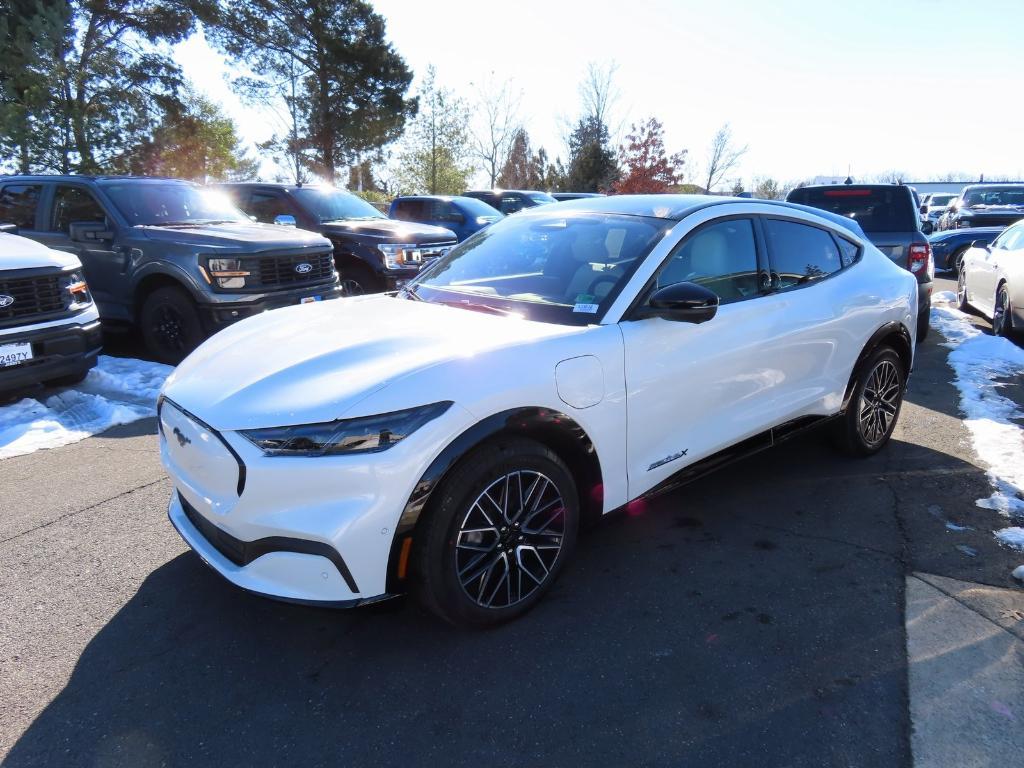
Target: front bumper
{"type": "Point", "coordinates": [61, 350]}
{"type": "Point", "coordinates": [312, 530]}
{"type": "Point", "coordinates": [223, 313]}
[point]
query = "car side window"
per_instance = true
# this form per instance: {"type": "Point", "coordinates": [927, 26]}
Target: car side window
{"type": "Point", "coordinates": [266, 206]}
{"type": "Point", "coordinates": [801, 254]}
{"type": "Point", "coordinates": [721, 256]}
{"type": "Point", "coordinates": [18, 203]}
{"type": "Point", "coordinates": [74, 204]}
{"type": "Point", "coordinates": [405, 210]}
{"type": "Point", "coordinates": [849, 252]}
{"type": "Point", "coordinates": [1010, 240]}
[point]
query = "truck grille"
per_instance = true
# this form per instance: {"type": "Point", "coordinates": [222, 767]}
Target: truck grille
{"type": "Point", "coordinates": [289, 270]}
{"type": "Point", "coordinates": [33, 296]}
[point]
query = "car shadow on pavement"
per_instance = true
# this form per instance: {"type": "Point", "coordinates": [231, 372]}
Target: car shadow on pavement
{"type": "Point", "coordinates": [754, 617]}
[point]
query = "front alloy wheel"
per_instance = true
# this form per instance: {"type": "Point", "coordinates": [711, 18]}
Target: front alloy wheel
{"type": "Point", "coordinates": [497, 533]}
{"type": "Point", "coordinates": [880, 402]}
{"type": "Point", "coordinates": [510, 539]}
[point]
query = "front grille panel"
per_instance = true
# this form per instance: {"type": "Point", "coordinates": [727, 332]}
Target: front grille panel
{"type": "Point", "coordinates": [280, 270]}
{"type": "Point", "coordinates": [33, 296]}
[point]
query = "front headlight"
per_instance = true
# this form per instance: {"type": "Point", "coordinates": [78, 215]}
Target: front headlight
{"type": "Point", "coordinates": [227, 273]}
{"type": "Point", "coordinates": [77, 290]}
{"type": "Point", "coordinates": [399, 255]}
{"type": "Point", "coordinates": [367, 434]}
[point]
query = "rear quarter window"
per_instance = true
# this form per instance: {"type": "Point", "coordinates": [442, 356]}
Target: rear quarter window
{"type": "Point", "coordinates": [876, 210]}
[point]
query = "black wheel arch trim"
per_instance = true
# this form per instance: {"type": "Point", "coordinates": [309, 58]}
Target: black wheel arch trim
{"type": "Point", "coordinates": [553, 428]}
{"type": "Point", "coordinates": [887, 331]}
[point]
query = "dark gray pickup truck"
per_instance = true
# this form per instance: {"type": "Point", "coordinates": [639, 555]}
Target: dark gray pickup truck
{"type": "Point", "coordinates": [889, 217]}
{"type": "Point", "coordinates": [177, 260]}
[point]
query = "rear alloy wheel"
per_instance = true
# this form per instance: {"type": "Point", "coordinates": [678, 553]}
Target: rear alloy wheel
{"type": "Point", "coordinates": [503, 527]}
{"type": "Point", "coordinates": [1002, 322]}
{"type": "Point", "coordinates": [170, 325]}
{"type": "Point", "coordinates": [871, 415]}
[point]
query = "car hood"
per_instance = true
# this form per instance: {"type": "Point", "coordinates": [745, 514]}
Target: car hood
{"type": "Point", "coordinates": [994, 210]}
{"type": "Point", "coordinates": [21, 253]}
{"type": "Point", "coordinates": [390, 230]}
{"type": "Point", "coordinates": [313, 363]}
{"type": "Point", "coordinates": [236, 235]}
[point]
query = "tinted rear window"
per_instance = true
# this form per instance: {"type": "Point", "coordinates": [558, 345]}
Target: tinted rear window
{"type": "Point", "coordinates": [876, 210]}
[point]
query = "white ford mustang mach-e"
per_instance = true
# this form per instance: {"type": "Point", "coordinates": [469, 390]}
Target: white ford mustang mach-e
{"type": "Point", "coordinates": [449, 440]}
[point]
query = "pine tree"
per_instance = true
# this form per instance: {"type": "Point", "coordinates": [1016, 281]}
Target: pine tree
{"type": "Point", "coordinates": [592, 164]}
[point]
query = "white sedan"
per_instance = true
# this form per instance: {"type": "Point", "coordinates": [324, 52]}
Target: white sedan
{"type": "Point", "coordinates": [992, 280]}
{"type": "Point", "coordinates": [450, 439]}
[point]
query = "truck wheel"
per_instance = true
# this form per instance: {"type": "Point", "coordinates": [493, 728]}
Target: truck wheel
{"type": "Point", "coordinates": [170, 325]}
{"type": "Point", "coordinates": [356, 280]}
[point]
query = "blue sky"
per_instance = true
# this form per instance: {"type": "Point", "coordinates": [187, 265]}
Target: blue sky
{"type": "Point", "coordinates": [811, 87]}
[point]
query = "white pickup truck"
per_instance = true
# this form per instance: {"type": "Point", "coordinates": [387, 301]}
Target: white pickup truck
{"type": "Point", "coordinates": [49, 327]}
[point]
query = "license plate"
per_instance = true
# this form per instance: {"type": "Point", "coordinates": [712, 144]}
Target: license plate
{"type": "Point", "coordinates": [310, 299]}
{"type": "Point", "coordinates": [14, 354]}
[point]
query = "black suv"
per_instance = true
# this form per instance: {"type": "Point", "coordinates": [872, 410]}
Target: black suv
{"type": "Point", "coordinates": [888, 214]}
{"type": "Point", "coordinates": [372, 252]}
{"type": "Point", "coordinates": [175, 258]}
{"type": "Point", "coordinates": [985, 205]}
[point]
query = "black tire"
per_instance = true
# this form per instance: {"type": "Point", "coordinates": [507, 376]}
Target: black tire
{"type": "Point", "coordinates": [875, 405]}
{"type": "Point", "coordinates": [922, 325]}
{"type": "Point", "coordinates": [170, 325]}
{"type": "Point", "coordinates": [1002, 315]}
{"type": "Point", "coordinates": [357, 279]}
{"type": "Point", "coordinates": [69, 380]}
{"type": "Point", "coordinates": [956, 261]}
{"type": "Point", "coordinates": [463, 540]}
{"type": "Point", "coordinates": [961, 293]}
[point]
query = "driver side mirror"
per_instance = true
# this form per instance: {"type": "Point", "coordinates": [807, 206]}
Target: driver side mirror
{"type": "Point", "coordinates": [682, 302]}
{"type": "Point", "coordinates": [928, 227]}
{"type": "Point", "coordinates": [924, 209]}
{"type": "Point", "coordinates": [284, 220]}
{"type": "Point", "coordinates": [10, 229]}
{"type": "Point", "coordinates": [980, 244]}
{"type": "Point", "coordinates": [89, 231]}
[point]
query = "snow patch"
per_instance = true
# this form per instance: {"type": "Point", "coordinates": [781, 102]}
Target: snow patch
{"type": "Point", "coordinates": [117, 391]}
{"type": "Point", "coordinates": [1012, 537]}
{"type": "Point", "coordinates": [979, 361]}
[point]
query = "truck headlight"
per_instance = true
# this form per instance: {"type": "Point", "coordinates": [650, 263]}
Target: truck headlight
{"type": "Point", "coordinates": [399, 255]}
{"type": "Point", "coordinates": [367, 434]}
{"type": "Point", "coordinates": [77, 290]}
{"type": "Point", "coordinates": [227, 273]}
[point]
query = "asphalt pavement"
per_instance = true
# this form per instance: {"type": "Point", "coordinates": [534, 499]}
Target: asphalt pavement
{"type": "Point", "coordinates": [753, 618]}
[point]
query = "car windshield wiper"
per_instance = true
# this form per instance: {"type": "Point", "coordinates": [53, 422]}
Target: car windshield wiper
{"type": "Point", "coordinates": [479, 307]}
{"type": "Point", "coordinates": [191, 223]}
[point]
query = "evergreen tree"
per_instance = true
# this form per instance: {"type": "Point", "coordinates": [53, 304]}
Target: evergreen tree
{"type": "Point", "coordinates": [197, 142]}
{"type": "Point", "coordinates": [344, 85]}
{"type": "Point", "coordinates": [592, 164]}
{"type": "Point", "coordinates": [436, 151]}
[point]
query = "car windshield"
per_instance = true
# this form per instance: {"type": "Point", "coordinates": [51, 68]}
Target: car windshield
{"type": "Point", "coordinates": [876, 209]}
{"type": "Point", "coordinates": [479, 208]}
{"type": "Point", "coordinates": [172, 204]}
{"type": "Point", "coordinates": [334, 205]}
{"type": "Point", "coordinates": [556, 268]}
{"type": "Point", "coordinates": [938, 200]}
{"type": "Point", "coordinates": [540, 198]}
{"type": "Point", "coordinates": [989, 196]}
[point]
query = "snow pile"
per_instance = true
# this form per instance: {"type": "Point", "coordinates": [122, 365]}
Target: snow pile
{"type": "Point", "coordinates": [979, 361]}
{"type": "Point", "coordinates": [117, 391]}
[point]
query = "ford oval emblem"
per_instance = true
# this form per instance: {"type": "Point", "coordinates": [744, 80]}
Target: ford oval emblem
{"type": "Point", "coordinates": [6, 301]}
{"type": "Point", "coordinates": [303, 268]}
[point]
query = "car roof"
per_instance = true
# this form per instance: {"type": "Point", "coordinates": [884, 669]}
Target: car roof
{"type": "Point", "coordinates": [676, 207]}
{"type": "Point", "coordinates": [505, 191]}
{"type": "Point", "coordinates": [86, 177]}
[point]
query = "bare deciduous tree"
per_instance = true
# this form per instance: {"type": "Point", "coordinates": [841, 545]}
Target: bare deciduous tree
{"type": "Point", "coordinates": [497, 107]}
{"type": "Point", "coordinates": [598, 93]}
{"type": "Point", "coordinates": [723, 156]}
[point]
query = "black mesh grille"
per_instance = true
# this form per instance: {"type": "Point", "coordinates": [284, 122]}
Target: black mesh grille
{"type": "Point", "coordinates": [289, 270]}
{"type": "Point", "coordinates": [32, 296]}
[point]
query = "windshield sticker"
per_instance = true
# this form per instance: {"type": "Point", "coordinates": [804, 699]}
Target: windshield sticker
{"type": "Point", "coordinates": [585, 303]}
